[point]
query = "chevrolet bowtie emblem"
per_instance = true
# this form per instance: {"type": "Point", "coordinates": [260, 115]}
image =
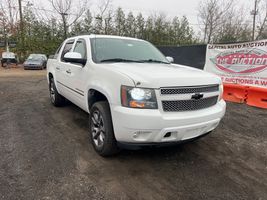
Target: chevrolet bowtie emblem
{"type": "Point", "coordinates": [197, 96]}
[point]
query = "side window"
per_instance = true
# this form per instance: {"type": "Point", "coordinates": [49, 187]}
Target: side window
{"type": "Point", "coordinates": [67, 48]}
{"type": "Point", "coordinates": [80, 47]}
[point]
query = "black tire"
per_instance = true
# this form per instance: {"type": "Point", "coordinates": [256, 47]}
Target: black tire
{"type": "Point", "coordinates": [56, 99]}
{"type": "Point", "coordinates": [107, 146]}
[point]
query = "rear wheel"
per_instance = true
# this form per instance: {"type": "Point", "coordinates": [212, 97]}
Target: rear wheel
{"type": "Point", "coordinates": [101, 129]}
{"type": "Point", "coordinates": [56, 99]}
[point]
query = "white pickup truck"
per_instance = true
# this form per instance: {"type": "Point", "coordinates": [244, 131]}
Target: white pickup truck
{"type": "Point", "coordinates": [134, 95]}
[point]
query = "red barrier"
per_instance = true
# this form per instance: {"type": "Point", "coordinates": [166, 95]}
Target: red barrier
{"type": "Point", "coordinates": [235, 93]}
{"type": "Point", "coordinates": [257, 97]}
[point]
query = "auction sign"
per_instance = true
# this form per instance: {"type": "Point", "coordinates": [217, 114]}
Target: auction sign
{"type": "Point", "coordinates": [242, 63]}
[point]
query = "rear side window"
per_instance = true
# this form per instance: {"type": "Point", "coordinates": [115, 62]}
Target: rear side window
{"type": "Point", "coordinates": [80, 47]}
{"type": "Point", "coordinates": [67, 48]}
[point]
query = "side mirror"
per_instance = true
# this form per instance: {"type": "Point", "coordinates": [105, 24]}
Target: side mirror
{"type": "Point", "coordinates": [74, 57]}
{"type": "Point", "coordinates": [170, 59]}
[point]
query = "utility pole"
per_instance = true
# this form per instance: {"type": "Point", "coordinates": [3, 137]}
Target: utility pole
{"type": "Point", "coordinates": [254, 13]}
{"type": "Point", "coordinates": [21, 26]}
{"type": "Point", "coordinates": [5, 35]}
{"type": "Point", "coordinates": [63, 15]}
{"type": "Point", "coordinates": [21, 16]}
{"type": "Point", "coordinates": [10, 16]}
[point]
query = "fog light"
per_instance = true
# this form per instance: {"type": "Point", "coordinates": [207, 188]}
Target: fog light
{"type": "Point", "coordinates": [135, 135]}
{"type": "Point", "coordinates": [168, 135]}
{"type": "Point", "coordinates": [139, 133]}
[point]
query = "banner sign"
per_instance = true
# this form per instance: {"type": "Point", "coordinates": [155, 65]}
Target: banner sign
{"type": "Point", "coordinates": [242, 63]}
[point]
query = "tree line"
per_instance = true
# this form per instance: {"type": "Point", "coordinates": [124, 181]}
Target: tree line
{"type": "Point", "coordinates": [41, 35]}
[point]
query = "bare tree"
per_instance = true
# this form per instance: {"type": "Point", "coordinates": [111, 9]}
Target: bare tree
{"type": "Point", "coordinates": [9, 11]}
{"type": "Point", "coordinates": [210, 14]}
{"type": "Point", "coordinates": [3, 24]}
{"type": "Point", "coordinates": [104, 16]}
{"type": "Point", "coordinates": [7, 19]}
{"type": "Point", "coordinates": [262, 21]}
{"type": "Point", "coordinates": [235, 26]}
{"type": "Point", "coordinates": [70, 11]}
{"type": "Point", "coordinates": [104, 6]}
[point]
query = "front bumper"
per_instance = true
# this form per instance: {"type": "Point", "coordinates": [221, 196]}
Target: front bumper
{"type": "Point", "coordinates": [33, 67]}
{"type": "Point", "coordinates": [137, 146]}
{"type": "Point", "coordinates": [155, 126]}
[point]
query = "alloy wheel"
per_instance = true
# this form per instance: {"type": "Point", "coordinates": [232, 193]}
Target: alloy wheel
{"type": "Point", "coordinates": [97, 129]}
{"type": "Point", "coordinates": [52, 92]}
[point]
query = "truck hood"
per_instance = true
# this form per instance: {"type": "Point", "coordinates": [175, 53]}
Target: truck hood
{"type": "Point", "coordinates": [153, 75]}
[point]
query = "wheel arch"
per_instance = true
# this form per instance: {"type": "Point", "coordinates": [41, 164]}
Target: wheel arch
{"type": "Point", "coordinates": [94, 95]}
{"type": "Point", "coordinates": [50, 76]}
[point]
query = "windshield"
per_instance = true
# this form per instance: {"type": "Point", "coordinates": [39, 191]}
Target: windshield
{"type": "Point", "coordinates": [125, 50]}
{"type": "Point", "coordinates": [36, 57]}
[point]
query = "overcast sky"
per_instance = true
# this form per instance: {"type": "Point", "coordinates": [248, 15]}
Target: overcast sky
{"type": "Point", "coordinates": [169, 7]}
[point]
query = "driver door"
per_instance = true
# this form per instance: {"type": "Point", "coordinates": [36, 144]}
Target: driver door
{"type": "Point", "coordinates": [77, 74]}
{"type": "Point", "coordinates": [60, 69]}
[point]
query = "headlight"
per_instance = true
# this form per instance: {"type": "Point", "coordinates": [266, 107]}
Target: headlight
{"type": "Point", "coordinates": [221, 91]}
{"type": "Point", "coordinates": [138, 98]}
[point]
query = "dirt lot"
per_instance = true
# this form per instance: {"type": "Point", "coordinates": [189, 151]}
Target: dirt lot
{"type": "Point", "coordinates": [45, 154]}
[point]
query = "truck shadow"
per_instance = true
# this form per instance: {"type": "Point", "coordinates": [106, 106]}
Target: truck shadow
{"type": "Point", "coordinates": [80, 119]}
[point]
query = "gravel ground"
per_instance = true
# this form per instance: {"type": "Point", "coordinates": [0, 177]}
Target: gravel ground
{"type": "Point", "coordinates": [45, 154]}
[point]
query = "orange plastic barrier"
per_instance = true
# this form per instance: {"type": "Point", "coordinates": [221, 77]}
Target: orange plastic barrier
{"type": "Point", "coordinates": [235, 93]}
{"type": "Point", "coordinates": [257, 97]}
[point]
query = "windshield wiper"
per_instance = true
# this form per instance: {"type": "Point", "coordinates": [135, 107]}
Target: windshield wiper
{"type": "Point", "coordinates": [118, 60]}
{"type": "Point", "coordinates": [153, 61]}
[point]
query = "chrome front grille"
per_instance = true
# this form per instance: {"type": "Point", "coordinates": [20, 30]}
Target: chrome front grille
{"type": "Point", "coordinates": [189, 98]}
{"type": "Point", "coordinates": [189, 105]}
{"type": "Point", "coordinates": [188, 90]}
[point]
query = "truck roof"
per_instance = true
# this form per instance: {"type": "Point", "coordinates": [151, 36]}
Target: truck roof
{"type": "Point", "coordinates": [104, 36]}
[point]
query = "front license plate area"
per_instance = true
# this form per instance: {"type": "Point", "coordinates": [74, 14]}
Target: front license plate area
{"type": "Point", "coordinates": [192, 133]}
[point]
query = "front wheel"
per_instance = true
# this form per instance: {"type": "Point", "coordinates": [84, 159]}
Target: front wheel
{"type": "Point", "coordinates": [101, 129]}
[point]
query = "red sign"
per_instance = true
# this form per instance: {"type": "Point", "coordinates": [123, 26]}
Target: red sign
{"type": "Point", "coordinates": [242, 62]}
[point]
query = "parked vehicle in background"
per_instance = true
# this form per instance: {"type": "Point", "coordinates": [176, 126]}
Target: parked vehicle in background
{"type": "Point", "coordinates": [35, 61]}
{"type": "Point", "coordinates": [135, 96]}
{"type": "Point", "coordinates": [8, 58]}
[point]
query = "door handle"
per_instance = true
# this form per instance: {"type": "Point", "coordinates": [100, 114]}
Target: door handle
{"type": "Point", "coordinates": [68, 71]}
{"type": "Point", "coordinates": [57, 68]}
